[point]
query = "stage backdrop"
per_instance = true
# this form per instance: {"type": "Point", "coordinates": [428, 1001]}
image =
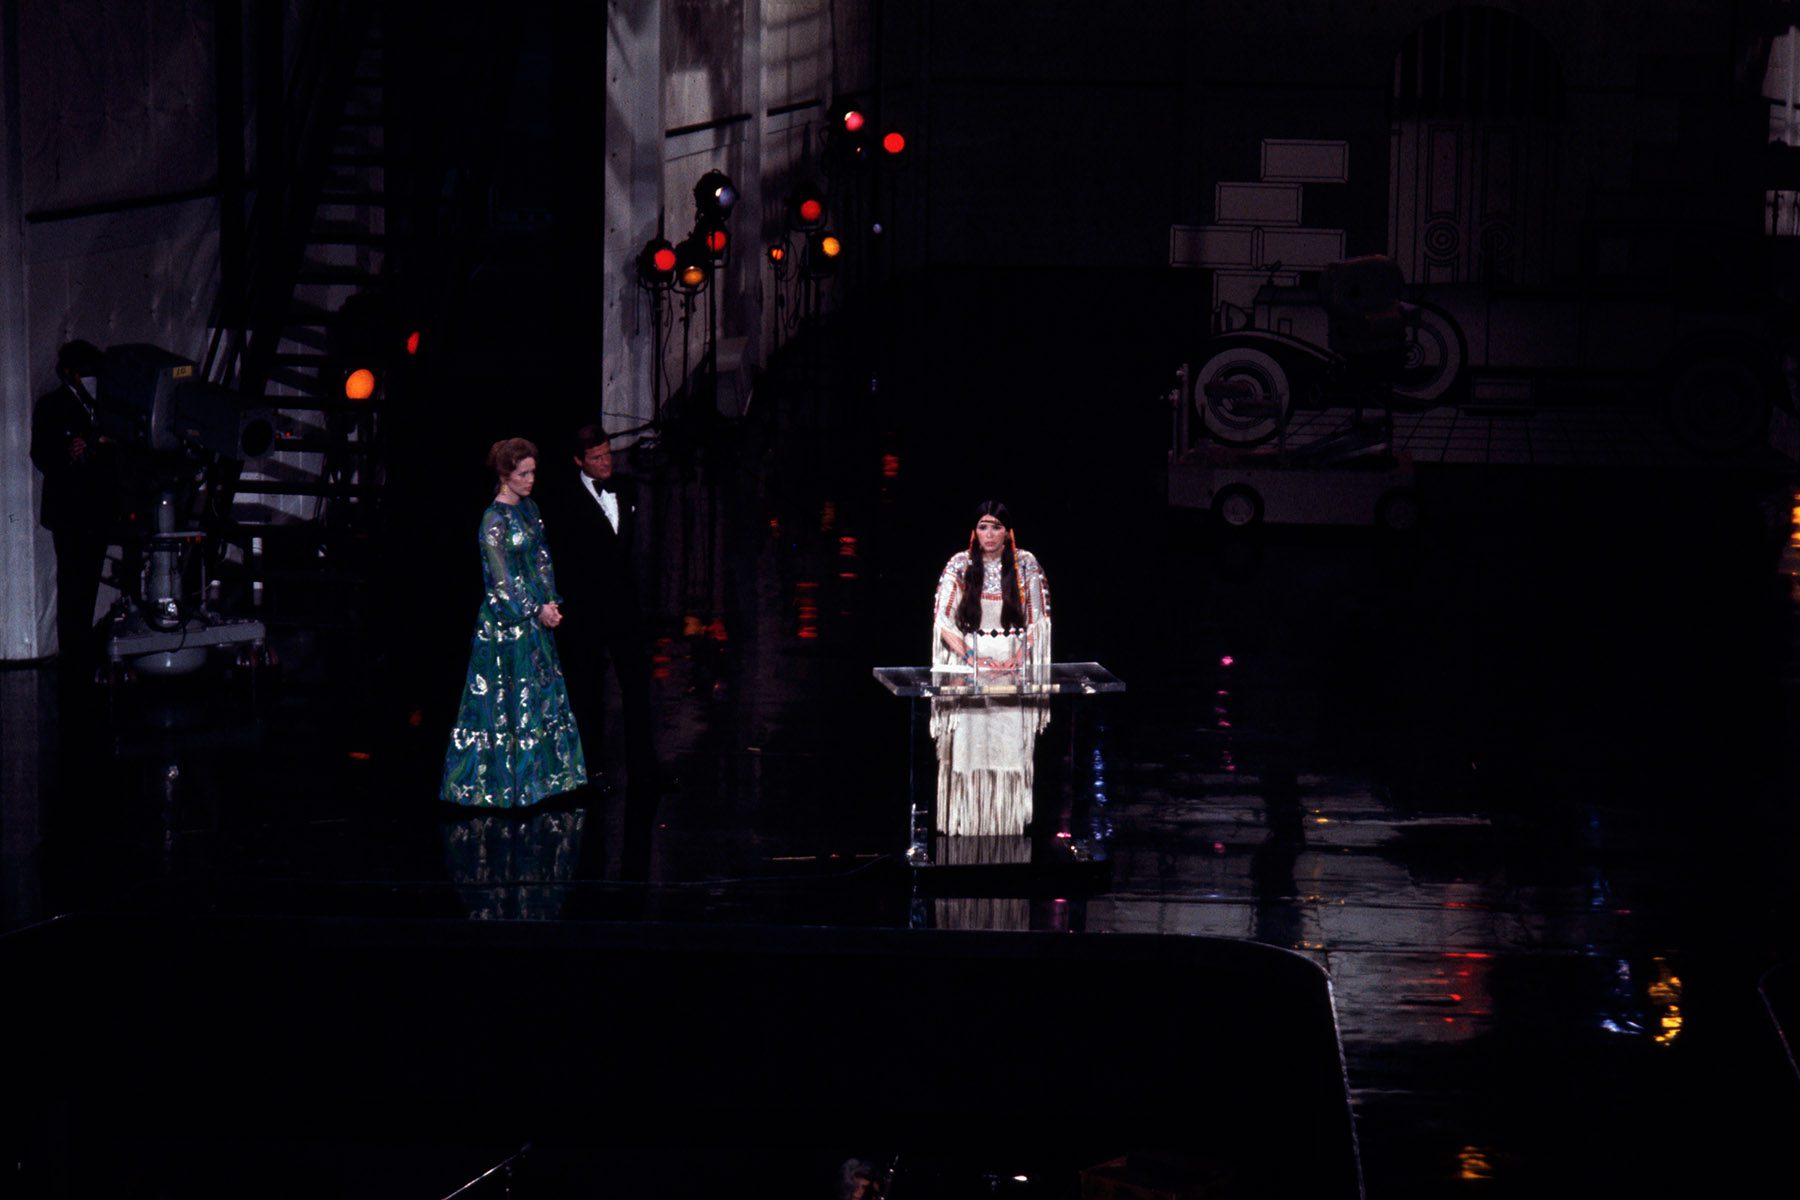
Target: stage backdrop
{"type": "Point", "coordinates": [107, 230]}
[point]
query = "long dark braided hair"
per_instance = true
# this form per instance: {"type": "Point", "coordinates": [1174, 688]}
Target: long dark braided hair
{"type": "Point", "coordinates": [1012, 604]}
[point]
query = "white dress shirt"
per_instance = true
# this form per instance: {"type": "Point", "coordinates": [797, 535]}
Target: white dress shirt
{"type": "Point", "coordinates": [609, 502]}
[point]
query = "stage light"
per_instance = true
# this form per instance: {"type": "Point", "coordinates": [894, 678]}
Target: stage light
{"type": "Point", "coordinates": [806, 208]}
{"type": "Point", "coordinates": [853, 120]}
{"type": "Point", "coordinates": [656, 263]}
{"type": "Point", "coordinates": [894, 142]}
{"type": "Point", "coordinates": [822, 253]}
{"type": "Point", "coordinates": [360, 385]}
{"type": "Point", "coordinates": [715, 195]}
{"type": "Point", "coordinates": [717, 241]}
{"type": "Point", "coordinates": [778, 254]}
{"type": "Point", "coordinates": [412, 342]}
{"type": "Point", "coordinates": [693, 265]}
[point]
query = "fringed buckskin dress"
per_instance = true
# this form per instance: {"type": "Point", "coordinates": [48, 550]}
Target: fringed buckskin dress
{"type": "Point", "coordinates": [985, 744]}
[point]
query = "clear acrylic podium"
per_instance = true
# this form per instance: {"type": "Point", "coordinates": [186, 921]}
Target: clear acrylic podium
{"type": "Point", "coordinates": [919, 684]}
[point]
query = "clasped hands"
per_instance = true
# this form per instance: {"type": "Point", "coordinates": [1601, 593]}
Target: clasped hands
{"type": "Point", "coordinates": [549, 615]}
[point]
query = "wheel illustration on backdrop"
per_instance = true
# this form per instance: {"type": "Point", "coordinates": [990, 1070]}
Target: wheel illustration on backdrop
{"type": "Point", "coordinates": [1242, 395]}
{"type": "Point", "coordinates": [1398, 511]}
{"type": "Point", "coordinates": [1435, 354]}
{"type": "Point", "coordinates": [1237, 506]}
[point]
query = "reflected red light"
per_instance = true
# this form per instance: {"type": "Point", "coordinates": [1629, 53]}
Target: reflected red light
{"type": "Point", "coordinates": [890, 465]}
{"type": "Point", "coordinates": [1467, 954]}
{"type": "Point", "coordinates": [412, 342]}
{"type": "Point", "coordinates": [664, 259]}
{"type": "Point", "coordinates": [894, 142]}
{"type": "Point", "coordinates": [1226, 661]}
{"type": "Point", "coordinates": [847, 546]}
{"type": "Point", "coordinates": [811, 210]}
{"type": "Point", "coordinates": [1456, 997]}
{"type": "Point", "coordinates": [360, 755]}
{"type": "Point", "coordinates": [416, 717]}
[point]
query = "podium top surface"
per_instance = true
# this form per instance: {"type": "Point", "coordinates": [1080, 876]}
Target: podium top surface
{"type": "Point", "coordinates": [1081, 679]}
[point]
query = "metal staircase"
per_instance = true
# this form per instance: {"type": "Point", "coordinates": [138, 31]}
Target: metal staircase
{"type": "Point", "coordinates": [327, 472]}
{"type": "Point", "coordinates": [317, 234]}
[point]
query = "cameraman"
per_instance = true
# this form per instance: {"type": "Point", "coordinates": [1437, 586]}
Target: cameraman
{"type": "Point", "coordinates": [80, 496]}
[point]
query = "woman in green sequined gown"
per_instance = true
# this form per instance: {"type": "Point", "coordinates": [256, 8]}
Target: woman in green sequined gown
{"type": "Point", "coordinates": [514, 741]}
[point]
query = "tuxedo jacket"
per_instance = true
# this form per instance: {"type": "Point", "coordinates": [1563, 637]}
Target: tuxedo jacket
{"type": "Point", "coordinates": [593, 563]}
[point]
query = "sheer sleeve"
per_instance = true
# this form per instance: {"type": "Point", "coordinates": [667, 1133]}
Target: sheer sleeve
{"type": "Point", "coordinates": [509, 597]}
{"type": "Point", "coordinates": [546, 573]}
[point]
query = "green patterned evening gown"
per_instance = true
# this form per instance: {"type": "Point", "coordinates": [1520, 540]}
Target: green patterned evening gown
{"type": "Point", "coordinates": [515, 740]}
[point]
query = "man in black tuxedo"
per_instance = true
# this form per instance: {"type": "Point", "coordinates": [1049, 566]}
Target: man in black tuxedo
{"type": "Point", "coordinates": [80, 495]}
{"type": "Point", "coordinates": [589, 521]}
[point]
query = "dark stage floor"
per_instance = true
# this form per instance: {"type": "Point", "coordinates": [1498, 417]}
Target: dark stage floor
{"type": "Point", "coordinates": [1522, 785]}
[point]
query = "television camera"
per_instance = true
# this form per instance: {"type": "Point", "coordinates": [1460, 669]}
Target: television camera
{"type": "Point", "coordinates": [182, 443]}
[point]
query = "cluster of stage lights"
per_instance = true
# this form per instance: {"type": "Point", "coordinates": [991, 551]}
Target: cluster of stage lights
{"type": "Point", "coordinates": [688, 266]}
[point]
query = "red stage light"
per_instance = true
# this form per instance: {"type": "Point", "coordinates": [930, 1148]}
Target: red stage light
{"type": "Point", "coordinates": [717, 240]}
{"type": "Point", "coordinates": [811, 210]}
{"type": "Point", "coordinates": [853, 121]}
{"type": "Point", "coordinates": [664, 258]}
{"type": "Point", "coordinates": [412, 342]}
{"type": "Point", "coordinates": [894, 143]}
{"type": "Point", "coordinates": [777, 253]}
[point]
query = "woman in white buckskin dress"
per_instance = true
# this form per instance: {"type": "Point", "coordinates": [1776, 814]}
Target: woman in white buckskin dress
{"type": "Point", "coordinates": [991, 617]}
